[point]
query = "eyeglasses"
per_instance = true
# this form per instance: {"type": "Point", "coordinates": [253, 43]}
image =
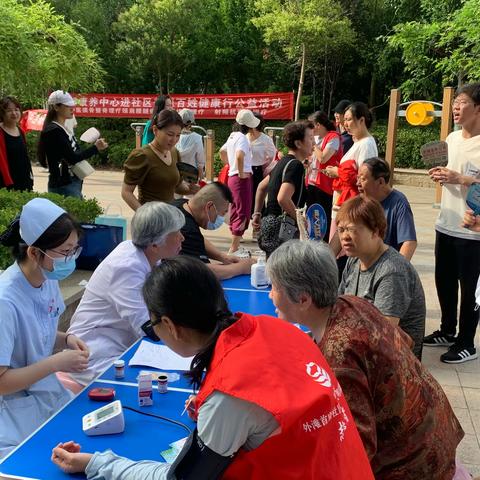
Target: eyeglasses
{"type": "Point", "coordinates": [74, 253]}
{"type": "Point", "coordinates": [352, 230]}
{"type": "Point", "coordinates": [461, 103]}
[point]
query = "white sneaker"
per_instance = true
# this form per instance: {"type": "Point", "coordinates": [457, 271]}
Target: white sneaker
{"type": "Point", "coordinates": [240, 253]}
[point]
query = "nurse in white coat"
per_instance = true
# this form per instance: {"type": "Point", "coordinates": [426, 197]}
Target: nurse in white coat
{"type": "Point", "coordinates": [45, 246]}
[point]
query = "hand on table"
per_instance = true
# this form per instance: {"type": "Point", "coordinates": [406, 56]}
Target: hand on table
{"type": "Point", "coordinates": [67, 456]}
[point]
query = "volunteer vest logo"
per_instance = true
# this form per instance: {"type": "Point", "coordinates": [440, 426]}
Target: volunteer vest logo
{"type": "Point", "coordinates": [318, 374]}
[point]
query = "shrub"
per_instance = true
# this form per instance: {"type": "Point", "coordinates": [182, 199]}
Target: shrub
{"type": "Point", "coordinates": [11, 203]}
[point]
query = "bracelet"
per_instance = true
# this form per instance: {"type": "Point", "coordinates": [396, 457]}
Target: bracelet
{"type": "Point", "coordinates": [66, 338]}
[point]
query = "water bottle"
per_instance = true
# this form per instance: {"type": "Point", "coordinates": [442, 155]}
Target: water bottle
{"type": "Point", "coordinates": [259, 277]}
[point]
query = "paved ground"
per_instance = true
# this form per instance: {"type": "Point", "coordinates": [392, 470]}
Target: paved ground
{"type": "Point", "coordinates": [461, 383]}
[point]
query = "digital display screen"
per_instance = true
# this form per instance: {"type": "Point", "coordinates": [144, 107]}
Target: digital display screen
{"type": "Point", "coordinates": [105, 413]}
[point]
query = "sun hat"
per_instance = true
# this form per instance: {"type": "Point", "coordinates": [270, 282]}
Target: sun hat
{"type": "Point", "coordinates": [60, 97]}
{"type": "Point", "coordinates": [246, 117]}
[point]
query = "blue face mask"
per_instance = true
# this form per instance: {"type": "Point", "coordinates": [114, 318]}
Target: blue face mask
{"type": "Point", "coordinates": [61, 269]}
{"type": "Point", "coordinates": [217, 223]}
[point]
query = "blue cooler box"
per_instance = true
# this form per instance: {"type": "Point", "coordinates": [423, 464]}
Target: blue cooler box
{"type": "Point", "coordinates": [113, 221]}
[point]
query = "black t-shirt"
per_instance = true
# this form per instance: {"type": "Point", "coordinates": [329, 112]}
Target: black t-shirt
{"type": "Point", "coordinates": [194, 243]}
{"type": "Point", "coordinates": [18, 163]}
{"type": "Point", "coordinates": [294, 174]}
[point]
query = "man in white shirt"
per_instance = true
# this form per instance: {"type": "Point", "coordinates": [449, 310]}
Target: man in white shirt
{"type": "Point", "coordinates": [457, 249]}
{"type": "Point", "coordinates": [112, 311]}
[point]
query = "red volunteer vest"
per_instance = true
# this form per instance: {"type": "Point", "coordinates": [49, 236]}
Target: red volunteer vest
{"type": "Point", "coordinates": [273, 364]}
{"type": "Point", "coordinates": [316, 177]}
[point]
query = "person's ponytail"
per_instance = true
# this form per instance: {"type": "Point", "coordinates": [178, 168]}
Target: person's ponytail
{"type": "Point", "coordinates": [201, 361]}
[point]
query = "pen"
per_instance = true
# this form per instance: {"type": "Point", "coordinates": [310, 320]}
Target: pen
{"type": "Point", "coordinates": [187, 404]}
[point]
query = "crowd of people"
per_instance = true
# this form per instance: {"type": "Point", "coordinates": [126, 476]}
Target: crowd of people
{"type": "Point", "coordinates": [357, 293]}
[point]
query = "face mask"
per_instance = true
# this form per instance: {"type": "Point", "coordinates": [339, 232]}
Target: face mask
{"type": "Point", "coordinates": [61, 269]}
{"type": "Point", "coordinates": [217, 223]}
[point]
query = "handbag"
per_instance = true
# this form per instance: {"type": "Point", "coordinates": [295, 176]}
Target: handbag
{"type": "Point", "coordinates": [97, 242]}
{"type": "Point", "coordinates": [188, 172]}
{"type": "Point", "coordinates": [82, 169]}
{"type": "Point", "coordinates": [288, 226]}
{"type": "Point", "coordinates": [274, 230]}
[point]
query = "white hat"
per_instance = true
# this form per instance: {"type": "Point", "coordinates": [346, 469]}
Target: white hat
{"type": "Point", "coordinates": [37, 215]}
{"type": "Point", "coordinates": [246, 117]}
{"type": "Point", "coordinates": [187, 116]}
{"type": "Point", "coordinates": [60, 97]}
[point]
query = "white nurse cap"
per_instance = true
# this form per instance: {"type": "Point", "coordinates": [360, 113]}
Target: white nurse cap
{"type": "Point", "coordinates": [37, 215]}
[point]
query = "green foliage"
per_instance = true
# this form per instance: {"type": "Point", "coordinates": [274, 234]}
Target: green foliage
{"type": "Point", "coordinates": [40, 52]}
{"type": "Point", "coordinates": [440, 51]}
{"type": "Point", "coordinates": [409, 141]}
{"type": "Point", "coordinates": [11, 203]}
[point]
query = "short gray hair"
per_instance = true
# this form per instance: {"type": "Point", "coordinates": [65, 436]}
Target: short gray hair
{"type": "Point", "coordinates": [153, 221]}
{"type": "Point", "coordinates": [299, 267]}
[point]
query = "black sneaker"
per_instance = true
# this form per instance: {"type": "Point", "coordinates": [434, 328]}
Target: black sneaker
{"type": "Point", "coordinates": [439, 339]}
{"type": "Point", "coordinates": [459, 355]}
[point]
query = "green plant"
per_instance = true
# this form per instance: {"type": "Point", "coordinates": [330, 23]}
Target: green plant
{"type": "Point", "coordinates": [11, 203]}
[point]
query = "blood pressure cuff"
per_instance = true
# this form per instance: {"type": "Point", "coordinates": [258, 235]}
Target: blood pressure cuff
{"type": "Point", "coordinates": [201, 463]}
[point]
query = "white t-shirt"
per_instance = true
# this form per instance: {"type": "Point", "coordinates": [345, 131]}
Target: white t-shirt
{"type": "Point", "coordinates": [28, 326]}
{"type": "Point", "coordinates": [463, 157]}
{"type": "Point", "coordinates": [263, 150]}
{"type": "Point", "coordinates": [190, 146]}
{"type": "Point", "coordinates": [360, 151]}
{"type": "Point", "coordinates": [112, 309]}
{"type": "Point", "coordinates": [238, 141]}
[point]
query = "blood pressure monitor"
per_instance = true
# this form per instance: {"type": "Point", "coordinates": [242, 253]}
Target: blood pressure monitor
{"type": "Point", "coordinates": [105, 420]}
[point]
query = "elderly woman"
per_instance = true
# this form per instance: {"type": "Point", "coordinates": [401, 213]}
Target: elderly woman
{"type": "Point", "coordinates": [285, 185]}
{"type": "Point", "coordinates": [378, 272]}
{"type": "Point", "coordinates": [246, 429]}
{"type": "Point", "coordinates": [112, 311]}
{"type": "Point", "coordinates": [153, 168]}
{"type": "Point", "coordinates": [406, 423]}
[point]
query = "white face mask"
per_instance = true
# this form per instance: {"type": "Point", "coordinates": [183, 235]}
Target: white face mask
{"type": "Point", "coordinates": [218, 221]}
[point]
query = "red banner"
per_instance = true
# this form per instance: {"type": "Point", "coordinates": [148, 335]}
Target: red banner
{"type": "Point", "coordinates": [273, 106]}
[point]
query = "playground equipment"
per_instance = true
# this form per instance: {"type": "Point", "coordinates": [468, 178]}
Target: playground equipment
{"type": "Point", "coordinates": [418, 113]}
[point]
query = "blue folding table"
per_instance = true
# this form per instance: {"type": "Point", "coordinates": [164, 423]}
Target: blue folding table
{"type": "Point", "coordinates": [144, 437]}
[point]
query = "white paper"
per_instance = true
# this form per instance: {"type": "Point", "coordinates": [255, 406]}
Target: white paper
{"type": "Point", "coordinates": [90, 136]}
{"type": "Point", "coordinates": [159, 356]}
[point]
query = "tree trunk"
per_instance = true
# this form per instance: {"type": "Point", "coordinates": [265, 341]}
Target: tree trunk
{"type": "Point", "coordinates": [300, 84]}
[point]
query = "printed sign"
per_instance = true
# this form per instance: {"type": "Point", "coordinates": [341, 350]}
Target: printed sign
{"type": "Point", "coordinates": [434, 154]}
{"type": "Point", "coordinates": [273, 106]}
{"type": "Point", "coordinates": [316, 222]}
{"type": "Point", "coordinates": [473, 198]}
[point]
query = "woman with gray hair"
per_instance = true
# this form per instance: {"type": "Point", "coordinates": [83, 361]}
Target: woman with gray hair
{"type": "Point", "coordinates": [404, 419]}
{"type": "Point", "coordinates": [111, 312]}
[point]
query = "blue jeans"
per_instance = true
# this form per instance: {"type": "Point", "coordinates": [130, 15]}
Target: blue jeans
{"type": "Point", "coordinates": [73, 189]}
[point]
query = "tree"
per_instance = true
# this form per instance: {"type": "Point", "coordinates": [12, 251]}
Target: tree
{"type": "Point", "coordinates": [442, 49]}
{"type": "Point", "coordinates": [307, 30]}
{"type": "Point", "coordinates": [40, 52]}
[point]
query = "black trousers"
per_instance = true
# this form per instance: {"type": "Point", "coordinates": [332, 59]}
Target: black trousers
{"type": "Point", "coordinates": [457, 261]}
{"type": "Point", "coordinates": [315, 195]}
